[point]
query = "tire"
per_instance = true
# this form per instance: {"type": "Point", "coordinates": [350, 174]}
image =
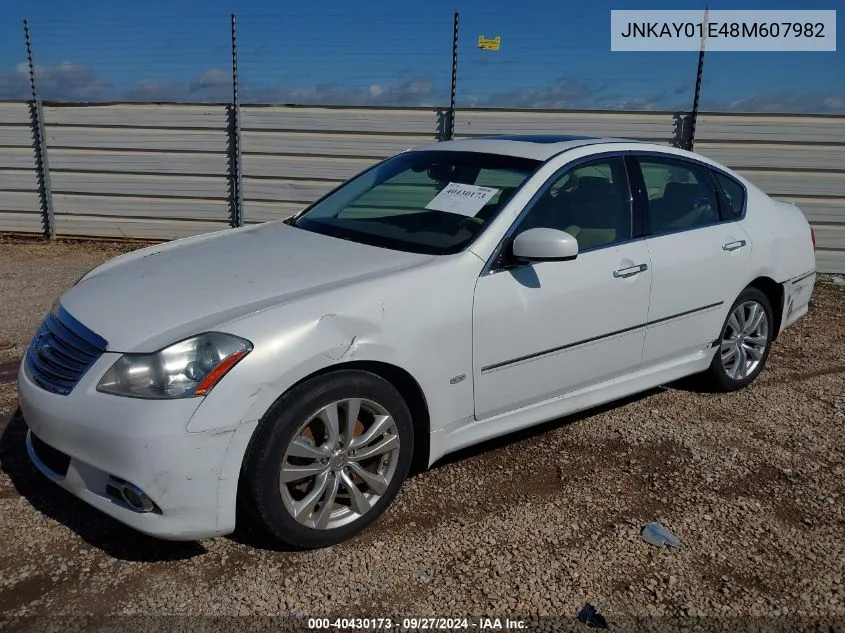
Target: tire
{"type": "Point", "coordinates": [726, 373]}
{"type": "Point", "coordinates": [295, 460]}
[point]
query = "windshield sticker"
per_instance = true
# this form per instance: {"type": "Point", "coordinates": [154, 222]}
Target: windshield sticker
{"type": "Point", "coordinates": [461, 199]}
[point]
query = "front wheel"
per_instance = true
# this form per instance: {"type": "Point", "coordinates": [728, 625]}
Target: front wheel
{"type": "Point", "coordinates": [745, 342]}
{"type": "Point", "coordinates": [328, 458]}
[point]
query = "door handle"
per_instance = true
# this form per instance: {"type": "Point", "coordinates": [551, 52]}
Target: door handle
{"type": "Point", "coordinates": [630, 271]}
{"type": "Point", "coordinates": [732, 246]}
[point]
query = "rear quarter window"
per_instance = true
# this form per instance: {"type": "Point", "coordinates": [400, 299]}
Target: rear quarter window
{"type": "Point", "coordinates": [734, 194]}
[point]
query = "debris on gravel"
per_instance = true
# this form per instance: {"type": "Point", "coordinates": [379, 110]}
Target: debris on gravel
{"type": "Point", "coordinates": [590, 616]}
{"type": "Point", "coordinates": [655, 534]}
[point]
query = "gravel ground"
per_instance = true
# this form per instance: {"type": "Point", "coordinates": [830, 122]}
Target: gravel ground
{"type": "Point", "coordinates": [532, 526]}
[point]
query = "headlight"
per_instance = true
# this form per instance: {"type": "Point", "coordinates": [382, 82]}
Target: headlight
{"type": "Point", "coordinates": [183, 370]}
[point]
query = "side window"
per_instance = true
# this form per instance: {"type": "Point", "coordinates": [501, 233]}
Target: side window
{"type": "Point", "coordinates": [680, 195]}
{"type": "Point", "coordinates": [734, 193]}
{"type": "Point", "coordinates": [590, 202]}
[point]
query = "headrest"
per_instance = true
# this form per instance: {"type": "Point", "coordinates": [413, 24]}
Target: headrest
{"type": "Point", "coordinates": [594, 186]}
{"type": "Point", "coordinates": [681, 190]}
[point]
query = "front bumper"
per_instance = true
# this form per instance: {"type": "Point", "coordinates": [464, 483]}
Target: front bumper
{"type": "Point", "coordinates": [190, 477]}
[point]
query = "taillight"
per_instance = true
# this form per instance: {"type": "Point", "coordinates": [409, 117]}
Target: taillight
{"type": "Point", "coordinates": [813, 237]}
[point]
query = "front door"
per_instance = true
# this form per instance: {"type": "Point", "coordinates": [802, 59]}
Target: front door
{"type": "Point", "coordinates": [544, 329]}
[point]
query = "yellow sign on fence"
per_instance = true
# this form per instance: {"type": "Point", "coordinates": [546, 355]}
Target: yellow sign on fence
{"type": "Point", "coordinates": [489, 44]}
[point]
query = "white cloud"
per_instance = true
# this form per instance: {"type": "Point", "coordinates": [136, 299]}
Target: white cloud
{"type": "Point", "coordinates": [783, 102]}
{"type": "Point", "coordinates": [69, 81]}
{"type": "Point", "coordinates": [214, 78]}
{"type": "Point", "coordinates": [567, 94]}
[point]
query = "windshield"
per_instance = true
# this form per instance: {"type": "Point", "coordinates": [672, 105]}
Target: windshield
{"type": "Point", "coordinates": [432, 202]}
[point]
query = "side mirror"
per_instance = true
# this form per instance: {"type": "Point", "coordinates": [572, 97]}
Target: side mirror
{"type": "Point", "coordinates": [542, 244]}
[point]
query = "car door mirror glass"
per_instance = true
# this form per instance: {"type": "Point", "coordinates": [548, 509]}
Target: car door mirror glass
{"type": "Point", "coordinates": [544, 244]}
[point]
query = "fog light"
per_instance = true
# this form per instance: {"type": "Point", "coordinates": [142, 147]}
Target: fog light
{"type": "Point", "coordinates": [132, 495]}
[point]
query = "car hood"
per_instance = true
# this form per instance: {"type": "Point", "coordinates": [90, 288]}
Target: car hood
{"type": "Point", "coordinates": [150, 298]}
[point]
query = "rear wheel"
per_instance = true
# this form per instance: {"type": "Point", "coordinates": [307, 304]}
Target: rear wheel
{"type": "Point", "coordinates": [328, 458]}
{"type": "Point", "coordinates": [745, 342]}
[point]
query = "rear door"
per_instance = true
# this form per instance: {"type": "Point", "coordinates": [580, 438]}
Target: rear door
{"type": "Point", "coordinates": [698, 252]}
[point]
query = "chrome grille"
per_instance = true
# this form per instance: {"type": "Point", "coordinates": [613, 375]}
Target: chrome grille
{"type": "Point", "coordinates": [61, 352]}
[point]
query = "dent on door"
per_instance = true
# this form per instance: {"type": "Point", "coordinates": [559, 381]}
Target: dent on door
{"type": "Point", "coordinates": [697, 275]}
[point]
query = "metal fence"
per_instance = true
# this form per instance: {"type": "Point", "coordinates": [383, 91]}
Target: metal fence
{"type": "Point", "coordinates": [165, 171]}
{"type": "Point", "coordinates": [549, 58]}
{"type": "Point", "coordinates": [365, 57]}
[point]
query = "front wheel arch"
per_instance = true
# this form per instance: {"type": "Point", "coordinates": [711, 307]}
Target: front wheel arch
{"type": "Point", "coordinates": [411, 391]}
{"type": "Point", "coordinates": [408, 387]}
{"type": "Point", "coordinates": [258, 480]}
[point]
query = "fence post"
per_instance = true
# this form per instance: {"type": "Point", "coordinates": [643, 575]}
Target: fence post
{"type": "Point", "coordinates": [450, 131]}
{"type": "Point", "coordinates": [236, 197]}
{"type": "Point", "coordinates": [696, 98]}
{"type": "Point", "coordinates": [39, 144]}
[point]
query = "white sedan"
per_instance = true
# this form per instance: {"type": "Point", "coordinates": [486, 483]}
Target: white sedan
{"type": "Point", "coordinates": [447, 295]}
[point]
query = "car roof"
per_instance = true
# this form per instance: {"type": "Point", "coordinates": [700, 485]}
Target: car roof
{"type": "Point", "coordinates": [536, 146]}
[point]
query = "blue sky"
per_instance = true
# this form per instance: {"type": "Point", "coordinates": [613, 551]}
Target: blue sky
{"type": "Point", "coordinates": [553, 55]}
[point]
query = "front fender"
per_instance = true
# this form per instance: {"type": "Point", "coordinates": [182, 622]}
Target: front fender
{"type": "Point", "coordinates": [389, 321]}
{"type": "Point", "coordinates": [278, 362]}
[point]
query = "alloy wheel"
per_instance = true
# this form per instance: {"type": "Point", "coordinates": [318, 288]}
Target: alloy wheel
{"type": "Point", "coordinates": [339, 463]}
{"type": "Point", "coordinates": [744, 340]}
